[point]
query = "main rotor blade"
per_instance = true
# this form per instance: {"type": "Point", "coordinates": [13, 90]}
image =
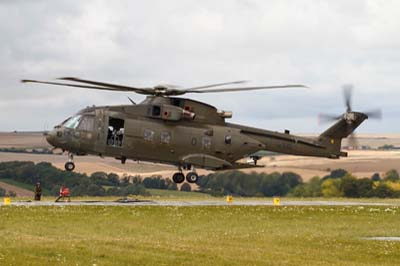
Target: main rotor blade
{"type": "Point", "coordinates": [115, 87]}
{"type": "Point", "coordinates": [246, 88]}
{"type": "Point", "coordinates": [217, 85]}
{"type": "Point", "coordinates": [64, 84]}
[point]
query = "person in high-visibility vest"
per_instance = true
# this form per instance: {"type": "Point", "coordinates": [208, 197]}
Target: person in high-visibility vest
{"type": "Point", "coordinates": [64, 193]}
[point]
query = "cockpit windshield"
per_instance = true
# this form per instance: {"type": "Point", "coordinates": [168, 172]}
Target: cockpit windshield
{"type": "Point", "coordinates": [73, 122]}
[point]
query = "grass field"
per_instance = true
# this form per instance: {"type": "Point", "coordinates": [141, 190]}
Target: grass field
{"type": "Point", "coordinates": [224, 235]}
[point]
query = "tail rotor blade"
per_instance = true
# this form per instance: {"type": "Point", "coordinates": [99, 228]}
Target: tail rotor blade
{"type": "Point", "coordinates": [325, 118]}
{"type": "Point", "coordinates": [352, 141]}
{"type": "Point", "coordinates": [374, 114]}
{"type": "Point", "coordinates": [347, 93]}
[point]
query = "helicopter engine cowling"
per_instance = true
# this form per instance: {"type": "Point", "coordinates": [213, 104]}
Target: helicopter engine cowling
{"type": "Point", "coordinates": [175, 113]}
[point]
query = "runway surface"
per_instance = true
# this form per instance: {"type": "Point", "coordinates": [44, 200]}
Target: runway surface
{"type": "Point", "coordinates": [179, 203]}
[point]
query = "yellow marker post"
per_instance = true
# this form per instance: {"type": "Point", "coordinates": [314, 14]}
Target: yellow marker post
{"type": "Point", "coordinates": [7, 201]}
{"type": "Point", "coordinates": [277, 201]}
{"type": "Point", "coordinates": [229, 199]}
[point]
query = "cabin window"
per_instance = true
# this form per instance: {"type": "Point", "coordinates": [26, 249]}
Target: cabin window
{"type": "Point", "coordinates": [206, 143]}
{"type": "Point", "coordinates": [87, 123]}
{"type": "Point", "coordinates": [228, 139]}
{"type": "Point", "coordinates": [116, 132]}
{"type": "Point", "coordinates": [148, 135]}
{"type": "Point", "coordinates": [156, 111]}
{"type": "Point", "coordinates": [165, 137]}
{"type": "Point", "coordinates": [194, 141]}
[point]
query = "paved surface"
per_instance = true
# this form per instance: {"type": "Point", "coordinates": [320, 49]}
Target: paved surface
{"type": "Point", "coordinates": [199, 203]}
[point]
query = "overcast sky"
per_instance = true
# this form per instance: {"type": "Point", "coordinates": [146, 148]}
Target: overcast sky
{"type": "Point", "coordinates": [322, 44]}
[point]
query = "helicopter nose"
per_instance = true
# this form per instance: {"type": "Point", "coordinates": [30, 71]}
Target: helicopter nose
{"type": "Point", "coordinates": [51, 138]}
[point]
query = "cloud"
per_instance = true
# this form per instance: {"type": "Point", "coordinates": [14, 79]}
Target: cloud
{"type": "Point", "coordinates": [323, 44]}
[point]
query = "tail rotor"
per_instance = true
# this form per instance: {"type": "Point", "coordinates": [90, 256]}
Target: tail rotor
{"type": "Point", "coordinates": [350, 117]}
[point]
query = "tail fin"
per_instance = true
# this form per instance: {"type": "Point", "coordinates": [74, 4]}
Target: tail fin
{"type": "Point", "coordinates": [332, 137]}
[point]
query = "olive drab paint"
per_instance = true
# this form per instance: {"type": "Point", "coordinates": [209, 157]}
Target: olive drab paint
{"type": "Point", "coordinates": [183, 132]}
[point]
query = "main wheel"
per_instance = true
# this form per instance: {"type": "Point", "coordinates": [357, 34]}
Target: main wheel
{"type": "Point", "coordinates": [178, 178]}
{"type": "Point", "coordinates": [192, 177]}
{"type": "Point", "coordinates": [69, 166]}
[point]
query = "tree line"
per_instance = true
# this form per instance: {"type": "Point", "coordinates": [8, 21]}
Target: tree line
{"type": "Point", "coordinates": [97, 184]}
{"type": "Point", "coordinates": [339, 183]}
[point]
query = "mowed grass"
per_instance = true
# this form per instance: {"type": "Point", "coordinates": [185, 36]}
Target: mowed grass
{"type": "Point", "coordinates": [211, 235]}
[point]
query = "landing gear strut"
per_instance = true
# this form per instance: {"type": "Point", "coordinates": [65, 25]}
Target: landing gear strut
{"type": "Point", "coordinates": [70, 166]}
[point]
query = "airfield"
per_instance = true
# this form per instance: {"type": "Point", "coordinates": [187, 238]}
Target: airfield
{"type": "Point", "coordinates": [190, 228]}
{"type": "Point", "coordinates": [132, 234]}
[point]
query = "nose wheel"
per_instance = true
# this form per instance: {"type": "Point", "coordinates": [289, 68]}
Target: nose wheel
{"type": "Point", "coordinates": [70, 165]}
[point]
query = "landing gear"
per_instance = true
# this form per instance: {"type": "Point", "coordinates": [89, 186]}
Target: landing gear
{"type": "Point", "coordinates": [178, 178]}
{"type": "Point", "coordinates": [70, 166]}
{"type": "Point", "coordinates": [192, 177]}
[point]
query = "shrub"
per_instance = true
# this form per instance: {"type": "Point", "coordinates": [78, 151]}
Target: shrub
{"type": "Point", "coordinates": [392, 175]}
{"type": "Point", "coordinates": [186, 187]}
{"type": "Point", "coordinates": [376, 177]}
{"type": "Point", "coordinates": [331, 188]}
{"type": "Point", "coordinates": [338, 173]}
{"type": "Point", "coordinates": [2, 192]}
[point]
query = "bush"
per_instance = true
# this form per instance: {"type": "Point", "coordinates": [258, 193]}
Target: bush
{"type": "Point", "coordinates": [2, 192]}
{"type": "Point", "coordinates": [376, 177]}
{"type": "Point", "coordinates": [113, 179]}
{"type": "Point", "coordinates": [156, 182]}
{"type": "Point", "coordinates": [186, 187]}
{"type": "Point", "coordinates": [331, 188]}
{"type": "Point", "coordinates": [11, 193]}
{"type": "Point", "coordinates": [349, 186]}
{"type": "Point", "coordinates": [383, 191]}
{"type": "Point", "coordinates": [338, 173]}
{"type": "Point", "coordinates": [134, 190]}
{"type": "Point", "coordinates": [310, 189]}
{"type": "Point", "coordinates": [249, 185]}
{"type": "Point", "coordinates": [392, 175]}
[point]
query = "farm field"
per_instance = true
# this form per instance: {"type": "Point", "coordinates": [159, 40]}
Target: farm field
{"type": "Point", "coordinates": [210, 235]}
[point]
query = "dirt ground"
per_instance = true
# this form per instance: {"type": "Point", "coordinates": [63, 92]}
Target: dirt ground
{"type": "Point", "coordinates": [23, 140]}
{"type": "Point", "coordinates": [19, 191]}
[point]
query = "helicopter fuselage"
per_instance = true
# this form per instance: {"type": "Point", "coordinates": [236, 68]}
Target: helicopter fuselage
{"type": "Point", "coordinates": [177, 131]}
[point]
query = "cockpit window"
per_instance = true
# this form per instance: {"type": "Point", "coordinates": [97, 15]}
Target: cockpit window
{"type": "Point", "coordinates": [87, 123]}
{"type": "Point", "coordinates": [73, 122]}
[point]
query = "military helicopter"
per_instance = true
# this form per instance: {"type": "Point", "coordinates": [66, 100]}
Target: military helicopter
{"type": "Point", "coordinates": [184, 132]}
